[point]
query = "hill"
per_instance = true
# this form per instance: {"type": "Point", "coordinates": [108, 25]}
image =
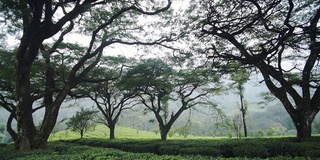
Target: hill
{"type": "Point", "coordinates": [102, 132]}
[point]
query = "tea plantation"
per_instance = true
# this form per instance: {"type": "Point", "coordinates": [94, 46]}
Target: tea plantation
{"type": "Point", "coordinates": [132, 144]}
{"type": "Point", "coordinates": [271, 148]}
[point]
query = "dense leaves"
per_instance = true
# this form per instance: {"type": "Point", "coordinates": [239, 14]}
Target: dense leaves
{"type": "Point", "coordinates": [280, 39]}
{"type": "Point", "coordinates": [43, 28]}
{"type": "Point", "coordinates": [82, 121]}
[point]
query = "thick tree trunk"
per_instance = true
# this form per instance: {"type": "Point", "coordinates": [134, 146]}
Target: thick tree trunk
{"type": "Point", "coordinates": [164, 132]}
{"type": "Point", "coordinates": [112, 129]}
{"type": "Point", "coordinates": [26, 128]}
{"type": "Point", "coordinates": [303, 121]}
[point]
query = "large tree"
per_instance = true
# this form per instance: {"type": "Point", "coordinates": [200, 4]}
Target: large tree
{"type": "Point", "coordinates": [105, 22]}
{"type": "Point", "coordinates": [167, 90]}
{"type": "Point", "coordinates": [109, 95]}
{"type": "Point", "coordinates": [280, 38]}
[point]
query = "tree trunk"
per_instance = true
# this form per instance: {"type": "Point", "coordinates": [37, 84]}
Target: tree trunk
{"type": "Point", "coordinates": [303, 121]}
{"type": "Point", "coordinates": [81, 133]}
{"type": "Point", "coordinates": [164, 132]}
{"type": "Point", "coordinates": [26, 128]}
{"type": "Point", "coordinates": [112, 129]}
{"type": "Point", "coordinates": [12, 133]}
{"type": "Point", "coordinates": [243, 111]}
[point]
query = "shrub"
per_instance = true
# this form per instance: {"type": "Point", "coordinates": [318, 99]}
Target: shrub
{"type": "Point", "coordinates": [251, 151]}
{"type": "Point", "coordinates": [270, 132]}
{"type": "Point", "coordinates": [259, 147]}
{"type": "Point", "coordinates": [260, 133]}
{"type": "Point", "coordinates": [171, 133]}
{"type": "Point", "coordinates": [204, 151]}
{"type": "Point", "coordinates": [230, 134]}
{"type": "Point", "coordinates": [171, 150]}
{"type": "Point", "coordinates": [226, 150]}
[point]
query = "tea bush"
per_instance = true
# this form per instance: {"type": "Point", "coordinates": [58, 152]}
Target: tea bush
{"type": "Point", "coordinates": [240, 149]}
{"type": "Point", "coordinates": [261, 147]}
{"type": "Point", "coordinates": [58, 151]}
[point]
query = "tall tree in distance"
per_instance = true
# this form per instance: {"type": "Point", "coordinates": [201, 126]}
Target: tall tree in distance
{"type": "Point", "coordinates": [82, 121]}
{"type": "Point", "coordinates": [280, 39]}
{"type": "Point", "coordinates": [36, 21]}
{"type": "Point", "coordinates": [240, 78]}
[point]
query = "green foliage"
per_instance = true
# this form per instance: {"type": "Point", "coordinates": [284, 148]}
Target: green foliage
{"type": "Point", "coordinates": [230, 134]}
{"type": "Point", "coordinates": [251, 148]}
{"type": "Point", "coordinates": [149, 73]}
{"type": "Point", "coordinates": [260, 133]}
{"type": "Point", "coordinates": [183, 130]}
{"type": "Point", "coordinates": [58, 150]}
{"type": "Point", "coordinates": [211, 151]}
{"type": "Point", "coordinates": [270, 131]}
{"type": "Point", "coordinates": [240, 77]}
{"type": "Point", "coordinates": [171, 132]}
{"type": "Point", "coordinates": [273, 149]}
{"type": "Point", "coordinates": [155, 130]}
{"type": "Point", "coordinates": [82, 121]}
{"type": "Point", "coordinates": [251, 33]}
{"type": "Point", "coordinates": [102, 131]}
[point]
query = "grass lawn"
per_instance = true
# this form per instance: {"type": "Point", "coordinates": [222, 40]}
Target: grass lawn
{"type": "Point", "coordinates": [101, 131]}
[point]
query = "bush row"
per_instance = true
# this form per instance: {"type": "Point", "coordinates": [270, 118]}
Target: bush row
{"type": "Point", "coordinates": [57, 151]}
{"type": "Point", "coordinates": [251, 148]}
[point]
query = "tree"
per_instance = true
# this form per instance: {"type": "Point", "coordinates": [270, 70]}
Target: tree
{"type": "Point", "coordinates": [240, 78]}
{"type": "Point", "coordinates": [280, 39]}
{"type": "Point", "coordinates": [82, 121]}
{"type": "Point", "coordinates": [110, 97]}
{"type": "Point", "coordinates": [7, 89]}
{"type": "Point", "coordinates": [159, 83]}
{"type": "Point", "coordinates": [236, 124]}
{"type": "Point", "coordinates": [106, 22]}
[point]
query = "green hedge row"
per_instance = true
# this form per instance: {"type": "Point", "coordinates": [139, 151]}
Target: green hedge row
{"type": "Point", "coordinates": [67, 151]}
{"type": "Point", "coordinates": [251, 148]}
{"type": "Point", "coordinates": [61, 151]}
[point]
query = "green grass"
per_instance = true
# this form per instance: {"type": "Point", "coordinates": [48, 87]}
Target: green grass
{"type": "Point", "coordinates": [101, 131]}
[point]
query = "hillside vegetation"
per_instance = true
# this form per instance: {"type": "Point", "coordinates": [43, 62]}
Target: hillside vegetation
{"type": "Point", "coordinates": [102, 132]}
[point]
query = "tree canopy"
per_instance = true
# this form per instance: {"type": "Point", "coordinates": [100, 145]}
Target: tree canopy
{"type": "Point", "coordinates": [82, 121]}
{"type": "Point", "coordinates": [280, 39]}
{"type": "Point", "coordinates": [43, 27]}
{"type": "Point", "coordinates": [159, 83]}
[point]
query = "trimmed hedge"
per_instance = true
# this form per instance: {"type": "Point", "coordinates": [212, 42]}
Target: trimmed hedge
{"type": "Point", "coordinates": [250, 148]}
{"type": "Point", "coordinates": [67, 151]}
